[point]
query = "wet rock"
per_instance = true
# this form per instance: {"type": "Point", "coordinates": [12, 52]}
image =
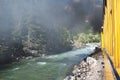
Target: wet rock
{"type": "Point", "coordinates": [29, 57]}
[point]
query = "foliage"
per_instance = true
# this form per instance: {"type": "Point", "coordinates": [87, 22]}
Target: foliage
{"type": "Point", "coordinates": [47, 40]}
{"type": "Point", "coordinates": [83, 38]}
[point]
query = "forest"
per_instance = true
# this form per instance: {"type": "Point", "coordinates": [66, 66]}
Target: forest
{"type": "Point", "coordinates": [44, 27]}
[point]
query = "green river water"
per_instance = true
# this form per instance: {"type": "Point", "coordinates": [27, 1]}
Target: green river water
{"type": "Point", "coordinates": [53, 67]}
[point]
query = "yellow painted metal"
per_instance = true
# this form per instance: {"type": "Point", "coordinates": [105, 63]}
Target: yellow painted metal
{"type": "Point", "coordinates": [115, 34]}
{"type": "Point", "coordinates": [102, 40]}
{"type": "Point", "coordinates": [108, 72]}
{"type": "Point", "coordinates": [118, 70]}
{"type": "Point", "coordinates": [113, 31]}
{"type": "Point", "coordinates": [110, 35]}
{"type": "Point", "coordinates": [118, 29]}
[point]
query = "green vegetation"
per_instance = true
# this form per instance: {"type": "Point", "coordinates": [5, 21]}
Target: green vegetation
{"type": "Point", "coordinates": [33, 28]}
{"type": "Point", "coordinates": [34, 39]}
{"type": "Point", "coordinates": [83, 38]}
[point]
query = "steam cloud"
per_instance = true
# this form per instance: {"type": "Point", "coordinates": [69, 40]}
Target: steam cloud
{"type": "Point", "coordinates": [51, 13]}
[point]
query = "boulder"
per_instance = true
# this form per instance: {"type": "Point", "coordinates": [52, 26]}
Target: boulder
{"type": "Point", "coordinates": [91, 61]}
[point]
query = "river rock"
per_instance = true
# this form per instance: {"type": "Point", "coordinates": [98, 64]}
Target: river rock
{"type": "Point", "coordinates": [29, 57]}
{"type": "Point", "coordinates": [89, 69]}
{"type": "Point", "coordinates": [91, 61]}
{"type": "Point", "coordinates": [70, 78]}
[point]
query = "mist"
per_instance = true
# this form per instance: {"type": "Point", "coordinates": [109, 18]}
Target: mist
{"type": "Point", "coordinates": [45, 25]}
{"type": "Point", "coordinates": [51, 13]}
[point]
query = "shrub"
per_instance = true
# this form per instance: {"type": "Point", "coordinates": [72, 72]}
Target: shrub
{"type": "Point", "coordinates": [83, 38]}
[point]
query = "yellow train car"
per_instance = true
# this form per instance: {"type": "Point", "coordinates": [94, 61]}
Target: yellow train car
{"type": "Point", "coordinates": [110, 36]}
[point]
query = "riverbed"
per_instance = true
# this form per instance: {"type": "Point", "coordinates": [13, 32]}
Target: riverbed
{"type": "Point", "coordinates": [52, 67]}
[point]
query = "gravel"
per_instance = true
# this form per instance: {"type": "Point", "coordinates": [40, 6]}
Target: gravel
{"type": "Point", "coordinates": [92, 68]}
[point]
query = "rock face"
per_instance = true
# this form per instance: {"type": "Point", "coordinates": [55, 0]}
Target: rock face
{"type": "Point", "coordinates": [34, 53]}
{"type": "Point", "coordinates": [89, 69]}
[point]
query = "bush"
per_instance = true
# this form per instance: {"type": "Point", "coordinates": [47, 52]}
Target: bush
{"type": "Point", "coordinates": [83, 38]}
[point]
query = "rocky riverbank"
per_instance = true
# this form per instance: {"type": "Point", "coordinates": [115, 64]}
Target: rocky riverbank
{"type": "Point", "coordinates": [92, 68]}
{"type": "Point", "coordinates": [17, 53]}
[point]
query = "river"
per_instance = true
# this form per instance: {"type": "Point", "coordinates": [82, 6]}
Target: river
{"type": "Point", "coordinates": [52, 67]}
